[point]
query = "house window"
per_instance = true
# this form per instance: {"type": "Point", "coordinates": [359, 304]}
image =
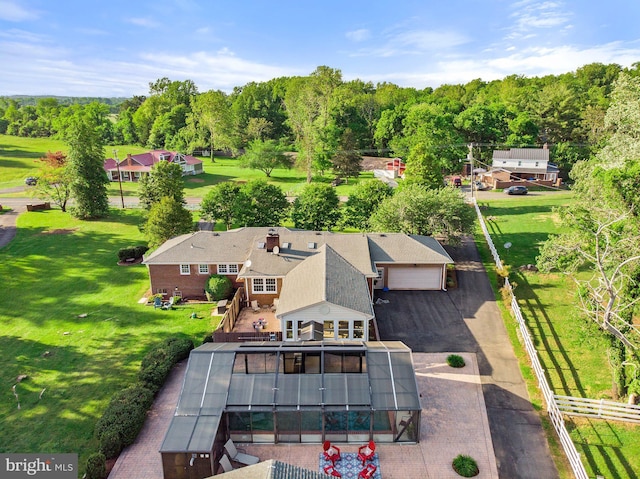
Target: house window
{"type": "Point", "coordinates": [329, 332]}
{"type": "Point", "coordinates": [227, 269]}
{"type": "Point", "coordinates": [185, 269]}
{"type": "Point", "coordinates": [358, 329]}
{"type": "Point", "coordinates": [264, 285]}
{"type": "Point", "coordinates": [203, 268]}
{"type": "Point", "coordinates": [343, 329]}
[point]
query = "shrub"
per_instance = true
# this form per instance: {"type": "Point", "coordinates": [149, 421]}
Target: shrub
{"type": "Point", "coordinates": [96, 466]}
{"type": "Point", "coordinates": [218, 287]}
{"type": "Point", "coordinates": [132, 252]}
{"type": "Point", "coordinates": [110, 444]}
{"type": "Point", "coordinates": [455, 361]}
{"type": "Point", "coordinates": [208, 339]}
{"type": "Point", "coordinates": [122, 419]}
{"type": "Point", "coordinates": [158, 362]}
{"type": "Point", "coordinates": [466, 466]}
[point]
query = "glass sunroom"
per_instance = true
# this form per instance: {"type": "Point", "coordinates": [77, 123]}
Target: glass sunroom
{"type": "Point", "coordinates": [290, 392]}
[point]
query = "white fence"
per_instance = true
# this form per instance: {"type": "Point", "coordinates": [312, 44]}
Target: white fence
{"type": "Point", "coordinates": [555, 414]}
{"type": "Point", "coordinates": [599, 408]}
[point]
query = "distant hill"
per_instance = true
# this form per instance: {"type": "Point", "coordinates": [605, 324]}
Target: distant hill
{"type": "Point", "coordinates": [65, 100]}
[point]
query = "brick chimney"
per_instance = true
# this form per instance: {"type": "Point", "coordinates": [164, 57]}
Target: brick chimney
{"type": "Point", "coordinates": [273, 239]}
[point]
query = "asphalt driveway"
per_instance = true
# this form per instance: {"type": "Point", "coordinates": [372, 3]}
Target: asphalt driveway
{"type": "Point", "coordinates": [467, 319]}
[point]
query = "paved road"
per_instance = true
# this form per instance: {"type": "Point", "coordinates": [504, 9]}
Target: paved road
{"type": "Point", "coordinates": [467, 319]}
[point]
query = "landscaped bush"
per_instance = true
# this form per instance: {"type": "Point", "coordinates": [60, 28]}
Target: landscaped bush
{"type": "Point", "coordinates": [158, 362]}
{"type": "Point", "coordinates": [455, 361]}
{"type": "Point", "coordinates": [132, 252]}
{"type": "Point", "coordinates": [122, 419]}
{"type": "Point", "coordinates": [218, 287]}
{"type": "Point", "coordinates": [96, 466]}
{"type": "Point", "coordinates": [466, 466]}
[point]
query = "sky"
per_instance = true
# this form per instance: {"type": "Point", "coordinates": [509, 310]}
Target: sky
{"type": "Point", "coordinates": [117, 47]}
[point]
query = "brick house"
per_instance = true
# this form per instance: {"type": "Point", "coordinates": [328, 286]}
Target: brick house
{"type": "Point", "coordinates": [318, 277]}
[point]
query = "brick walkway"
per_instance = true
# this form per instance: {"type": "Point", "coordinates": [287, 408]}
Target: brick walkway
{"type": "Point", "coordinates": [142, 459]}
{"type": "Point", "coordinates": [454, 421]}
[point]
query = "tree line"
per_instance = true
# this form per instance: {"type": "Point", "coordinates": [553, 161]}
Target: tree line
{"type": "Point", "coordinates": [324, 118]}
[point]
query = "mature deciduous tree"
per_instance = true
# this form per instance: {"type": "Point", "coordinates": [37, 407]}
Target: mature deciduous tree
{"type": "Point", "coordinates": [316, 208]}
{"type": "Point", "coordinates": [362, 202]}
{"type": "Point", "coordinates": [222, 202]}
{"type": "Point", "coordinates": [416, 210]}
{"type": "Point", "coordinates": [261, 204]}
{"type": "Point", "coordinates": [167, 218]}
{"type": "Point", "coordinates": [265, 155]}
{"type": "Point", "coordinates": [212, 110]}
{"type": "Point", "coordinates": [164, 179]}
{"type": "Point", "coordinates": [347, 161]}
{"type": "Point", "coordinates": [55, 179]}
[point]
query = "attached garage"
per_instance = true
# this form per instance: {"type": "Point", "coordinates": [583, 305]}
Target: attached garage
{"type": "Point", "coordinates": [415, 277]}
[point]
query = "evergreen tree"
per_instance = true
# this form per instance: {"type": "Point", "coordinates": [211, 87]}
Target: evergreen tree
{"type": "Point", "coordinates": [86, 160]}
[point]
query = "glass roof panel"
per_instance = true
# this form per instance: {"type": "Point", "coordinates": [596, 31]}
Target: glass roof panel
{"type": "Point", "coordinates": [215, 396]}
{"type": "Point", "coordinates": [335, 388]}
{"type": "Point", "coordinates": [179, 434]}
{"type": "Point", "coordinates": [404, 381]}
{"type": "Point", "coordinates": [263, 389]}
{"type": "Point", "coordinates": [358, 389]}
{"type": "Point", "coordinates": [194, 383]}
{"type": "Point", "coordinates": [310, 392]}
{"type": "Point", "coordinates": [288, 389]}
{"type": "Point", "coordinates": [204, 433]}
{"type": "Point", "coordinates": [240, 389]}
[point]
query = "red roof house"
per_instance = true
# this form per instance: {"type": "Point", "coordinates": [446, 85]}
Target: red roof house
{"type": "Point", "coordinates": [133, 167]}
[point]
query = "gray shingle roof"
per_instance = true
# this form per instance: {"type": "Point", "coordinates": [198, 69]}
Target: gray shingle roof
{"type": "Point", "coordinates": [406, 249]}
{"type": "Point", "coordinates": [325, 277]}
{"type": "Point", "coordinates": [540, 154]}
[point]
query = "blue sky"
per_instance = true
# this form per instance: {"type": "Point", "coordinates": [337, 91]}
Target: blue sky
{"type": "Point", "coordinates": [116, 47]}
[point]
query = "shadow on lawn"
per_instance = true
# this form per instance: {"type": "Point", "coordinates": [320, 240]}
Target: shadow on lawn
{"type": "Point", "coordinates": [606, 445]}
{"type": "Point", "coordinates": [544, 331]}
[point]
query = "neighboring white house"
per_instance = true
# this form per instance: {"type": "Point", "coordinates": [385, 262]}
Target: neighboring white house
{"type": "Point", "coordinates": [525, 163]}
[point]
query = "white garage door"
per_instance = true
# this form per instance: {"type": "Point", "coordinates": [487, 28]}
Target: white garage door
{"type": "Point", "coordinates": [415, 277]}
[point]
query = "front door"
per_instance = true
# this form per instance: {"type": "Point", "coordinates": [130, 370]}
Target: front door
{"type": "Point", "coordinates": [378, 283]}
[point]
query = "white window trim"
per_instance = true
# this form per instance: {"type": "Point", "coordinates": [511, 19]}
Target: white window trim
{"type": "Point", "coordinates": [182, 270]}
{"type": "Point", "coordinates": [225, 268]}
{"type": "Point", "coordinates": [202, 270]}
{"type": "Point", "coordinates": [263, 289]}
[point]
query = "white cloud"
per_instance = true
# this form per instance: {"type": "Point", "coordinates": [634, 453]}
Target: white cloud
{"type": "Point", "coordinates": [12, 12]}
{"type": "Point", "coordinates": [143, 22]}
{"type": "Point", "coordinates": [530, 15]}
{"type": "Point", "coordinates": [358, 35]}
{"type": "Point", "coordinates": [413, 42]}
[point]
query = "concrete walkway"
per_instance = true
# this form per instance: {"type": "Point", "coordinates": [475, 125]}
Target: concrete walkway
{"type": "Point", "coordinates": [8, 220]}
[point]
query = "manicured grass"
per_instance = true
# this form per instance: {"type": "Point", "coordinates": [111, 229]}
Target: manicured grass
{"type": "Point", "coordinates": [74, 364]}
{"type": "Point", "coordinates": [572, 350]}
{"type": "Point", "coordinates": [18, 159]}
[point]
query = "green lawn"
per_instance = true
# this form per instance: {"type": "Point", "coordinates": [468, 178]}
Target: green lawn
{"type": "Point", "coordinates": [571, 350]}
{"type": "Point", "coordinates": [54, 271]}
{"type": "Point", "coordinates": [18, 159]}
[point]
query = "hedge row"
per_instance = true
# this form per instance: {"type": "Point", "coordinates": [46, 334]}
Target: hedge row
{"type": "Point", "coordinates": [132, 252]}
{"type": "Point", "coordinates": [125, 415]}
{"type": "Point", "coordinates": [158, 362]}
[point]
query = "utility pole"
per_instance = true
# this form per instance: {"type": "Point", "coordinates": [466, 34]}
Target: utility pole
{"type": "Point", "coordinates": [470, 158]}
{"type": "Point", "coordinates": [115, 155]}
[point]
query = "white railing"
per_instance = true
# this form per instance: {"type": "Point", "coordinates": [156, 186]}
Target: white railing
{"type": "Point", "coordinates": [600, 408]}
{"type": "Point", "coordinates": [555, 414]}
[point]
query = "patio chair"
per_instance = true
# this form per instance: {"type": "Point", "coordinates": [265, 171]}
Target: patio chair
{"type": "Point", "coordinates": [368, 472]}
{"type": "Point", "coordinates": [366, 452]}
{"type": "Point", "coordinates": [274, 306]}
{"type": "Point", "coordinates": [255, 306]}
{"type": "Point", "coordinates": [331, 470]}
{"type": "Point", "coordinates": [331, 452]}
{"type": "Point", "coordinates": [226, 464]}
{"type": "Point", "coordinates": [157, 302]}
{"type": "Point", "coordinates": [240, 457]}
{"type": "Point", "coordinates": [168, 304]}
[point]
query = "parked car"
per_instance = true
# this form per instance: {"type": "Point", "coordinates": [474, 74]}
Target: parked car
{"type": "Point", "coordinates": [31, 180]}
{"type": "Point", "coordinates": [457, 181]}
{"type": "Point", "coordinates": [516, 190]}
{"type": "Point", "coordinates": [479, 185]}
